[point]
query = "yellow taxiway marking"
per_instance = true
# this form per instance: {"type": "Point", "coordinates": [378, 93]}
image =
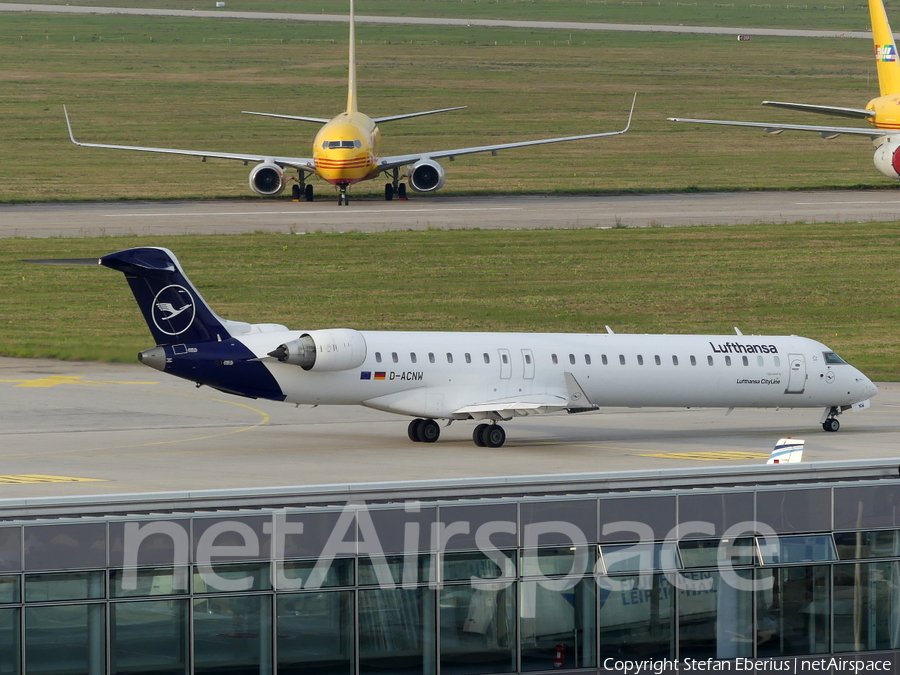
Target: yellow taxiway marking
{"type": "Point", "coordinates": [710, 456]}
{"type": "Point", "coordinates": [40, 478]}
{"type": "Point", "coordinates": [54, 380]}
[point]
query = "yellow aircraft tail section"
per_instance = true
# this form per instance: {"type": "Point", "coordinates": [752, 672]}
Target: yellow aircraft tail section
{"type": "Point", "coordinates": [351, 88]}
{"type": "Point", "coordinates": [886, 61]}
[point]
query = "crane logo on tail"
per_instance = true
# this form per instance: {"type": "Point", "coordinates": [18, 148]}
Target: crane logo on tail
{"type": "Point", "coordinates": [173, 310]}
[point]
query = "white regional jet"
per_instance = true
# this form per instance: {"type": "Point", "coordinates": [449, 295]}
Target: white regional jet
{"type": "Point", "coordinates": [346, 151]}
{"type": "Point", "coordinates": [485, 377]}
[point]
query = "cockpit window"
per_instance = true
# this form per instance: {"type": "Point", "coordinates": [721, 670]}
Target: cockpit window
{"type": "Point", "coordinates": [832, 358]}
{"type": "Point", "coordinates": [327, 145]}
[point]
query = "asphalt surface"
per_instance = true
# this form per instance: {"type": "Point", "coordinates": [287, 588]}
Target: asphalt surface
{"type": "Point", "coordinates": [509, 23]}
{"type": "Point", "coordinates": [129, 428]}
{"type": "Point", "coordinates": [435, 212]}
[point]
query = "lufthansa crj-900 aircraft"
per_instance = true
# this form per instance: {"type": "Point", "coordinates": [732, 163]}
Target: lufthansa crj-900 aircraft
{"type": "Point", "coordinates": [345, 151]}
{"type": "Point", "coordinates": [883, 113]}
{"type": "Point", "coordinates": [485, 377]}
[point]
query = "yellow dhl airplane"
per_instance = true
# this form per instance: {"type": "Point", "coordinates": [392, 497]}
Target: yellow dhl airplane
{"type": "Point", "coordinates": [883, 113]}
{"type": "Point", "coordinates": [346, 151]}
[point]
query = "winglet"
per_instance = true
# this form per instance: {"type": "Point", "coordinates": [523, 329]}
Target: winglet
{"type": "Point", "coordinates": [69, 125]}
{"type": "Point", "coordinates": [630, 113]}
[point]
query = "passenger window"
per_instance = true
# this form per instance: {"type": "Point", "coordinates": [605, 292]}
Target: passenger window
{"type": "Point", "coordinates": [377, 357]}
{"type": "Point", "coordinates": [587, 359]}
{"type": "Point", "coordinates": [394, 357]}
{"type": "Point", "coordinates": [468, 358]}
{"type": "Point", "coordinates": [412, 357]}
{"type": "Point", "coordinates": [709, 360]}
{"type": "Point", "coordinates": [640, 360]}
{"type": "Point", "coordinates": [674, 360]}
{"type": "Point", "coordinates": [603, 359]}
{"type": "Point", "coordinates": [745, 360]}
{"type": "Point", "coordinates": [449, 357]}
{"type": "Point", "coordinates": [622, 359]}
{"type": "Point", "coordinates": [555, 360]}
{"type": "Point", "coordinates": [693, 360]}
{"type": "Point", "coordinates": [759, 361]}
{"type": "Point", "coordinates": [572, 359]}
{"type": "Point", "coordinates": [528, 359]}
{"type": "Point", "coordinates": [430, 357]}
{"type": "Point", "coordinates": [504, 358]}
{"type": "Point", "coordinates": [777, 362]}
{"type": "Point", "coordinates": [658, 360]}
{"type": "Point", "coordinates": [487, 358]}
{"type": "Point", "coordinates": [727, 360]}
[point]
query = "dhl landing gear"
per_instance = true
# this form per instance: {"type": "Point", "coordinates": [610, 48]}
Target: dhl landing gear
{"type": "Point", "coordinates": [395, 187]}
{"type": "Point", "coordinates": [342, 197]}
{"type": "Point", "coordinates": [301, 189]}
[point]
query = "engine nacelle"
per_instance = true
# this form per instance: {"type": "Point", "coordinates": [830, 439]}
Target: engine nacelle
{"type": "Point", "coordinates": [267, 179]}
{"type": "Point", "coordinates": [426, 175]}
{"type": "Point", "coordinates": [887, 159]}
{"type": "Point", "coordinates": [324, 350]}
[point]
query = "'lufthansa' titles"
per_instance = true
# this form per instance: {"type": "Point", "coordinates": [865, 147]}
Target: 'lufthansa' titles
{"type": "Point", "coordinates": [738, 348]}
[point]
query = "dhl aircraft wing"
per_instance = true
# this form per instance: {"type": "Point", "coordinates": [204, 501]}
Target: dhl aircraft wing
{"type": "Point", "coordinates": [387, 163]}
{"type": "Point", "coordinates": [305, 163]}
{"type": "Point", "coordinates": [824, 131]}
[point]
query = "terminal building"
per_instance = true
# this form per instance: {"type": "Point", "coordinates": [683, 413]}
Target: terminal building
{"type": "Point", "coordinates": [555, 573]}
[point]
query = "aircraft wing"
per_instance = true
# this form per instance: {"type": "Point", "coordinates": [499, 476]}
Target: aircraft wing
{"type": "Point", "coordinates": [305, 163]}
{"type": "Point", "coordinates": [856, 113]}
{"type": "Point", "coordinates": [533, 404]}
{"type": "Point", "coordinates": [826, 132]}
{"type": "Point", "coordinates": [386, 163]}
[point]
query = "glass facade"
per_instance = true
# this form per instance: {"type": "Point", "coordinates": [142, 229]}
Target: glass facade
{"type": "Point", "coordinates": [510, 585]}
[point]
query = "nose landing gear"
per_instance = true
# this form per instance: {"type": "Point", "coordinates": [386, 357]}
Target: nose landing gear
{"type": "Point", "coordinates": [830, 421]}
{"type": "Point", "coordinates": [342, 198]}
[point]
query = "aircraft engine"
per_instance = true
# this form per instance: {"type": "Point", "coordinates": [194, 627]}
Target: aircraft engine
{"type": "Point", "coordinates": [267, 179]}
{"type": "Point", "coordinates": [887, 159]}
{"type": "Point", "coordinates": [426, 175]}
{"type": "Point", "coordinates": [324, 350]}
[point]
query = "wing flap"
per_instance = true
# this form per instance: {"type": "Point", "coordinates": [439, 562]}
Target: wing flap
{"type": "Point", "coordinates": [534, 404]}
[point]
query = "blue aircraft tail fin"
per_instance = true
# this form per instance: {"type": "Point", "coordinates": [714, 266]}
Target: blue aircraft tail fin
{"type": "Point", "coordinates": [173, 309]}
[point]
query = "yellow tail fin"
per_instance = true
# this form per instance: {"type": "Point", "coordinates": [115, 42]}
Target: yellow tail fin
{"type": "Point", "coordinates": [885, 50]}
{"type": "Point", "coordinates": [351, 87]}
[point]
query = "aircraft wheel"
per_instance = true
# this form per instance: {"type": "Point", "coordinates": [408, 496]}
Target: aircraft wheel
{"type": "Point", "coordinates": [429, 431]}
{"type": "Point", "coordinates": [477, 434]}
{"type": "Point", "coordinates": [494, 436]}
{"type": "Point", "coordinates": [295, 192]}
{"type": "Point", "coordinates": [413, 430]}
{"type": "Point", "coordinates": [831, 424]}
{"type": "Point", "coordinates": [308, 193]}
{"type": "Point", "coordinates": [401, 191]}
{"type": "Point", "coordinates": [388, 192]}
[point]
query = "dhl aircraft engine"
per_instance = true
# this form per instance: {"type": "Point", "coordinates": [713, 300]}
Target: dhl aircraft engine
{"type": "Point", "coordinates": [324, 350]}
{"type": "Point", "coordinates": [887, 159]}
{"type": "Point", "coordinates": [426, 175]}
{"type": "Point", "coordinates": [267, 179]}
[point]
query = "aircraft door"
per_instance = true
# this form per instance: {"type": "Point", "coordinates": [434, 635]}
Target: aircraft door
{"type": "Point", "coordinates": [527, 364]}
{"type": "Point", "coordinates": [797, 375]}
{"type": "Point", "coordinates": [505, 364]}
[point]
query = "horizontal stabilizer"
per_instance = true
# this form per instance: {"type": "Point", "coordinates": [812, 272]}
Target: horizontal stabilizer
{"type": "Point", "coordinates": [391, 118]}
{"type": "Point", "coordinates": [855, 113]}
{"type": "Point", "coordinates": [319, 120]}
{"type": "Point", "coordinates": [64, 261]}
{"type": "Point", "coordinates": [787, 451]}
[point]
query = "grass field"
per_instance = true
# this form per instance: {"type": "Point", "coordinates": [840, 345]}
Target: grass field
{"type": "Point", "coordinates": [187, 86]}
{"type": "Point", "coordinates": [832, 283]}
{"type": "Point", "coordinates": [838, 16]}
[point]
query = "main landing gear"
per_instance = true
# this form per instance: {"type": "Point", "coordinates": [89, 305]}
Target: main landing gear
{"type": "Point", "coordinates": [301, 189]}
{"type": "Point", "coordinates": [395, 187]}
{"type": "Point", "coordinates": [484, 435]}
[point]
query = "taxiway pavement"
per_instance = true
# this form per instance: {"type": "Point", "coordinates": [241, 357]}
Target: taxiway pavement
{"type": "Point", "coordinates": [90, 428]}
{"type": "Point", "coordinates": [435, 212]}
